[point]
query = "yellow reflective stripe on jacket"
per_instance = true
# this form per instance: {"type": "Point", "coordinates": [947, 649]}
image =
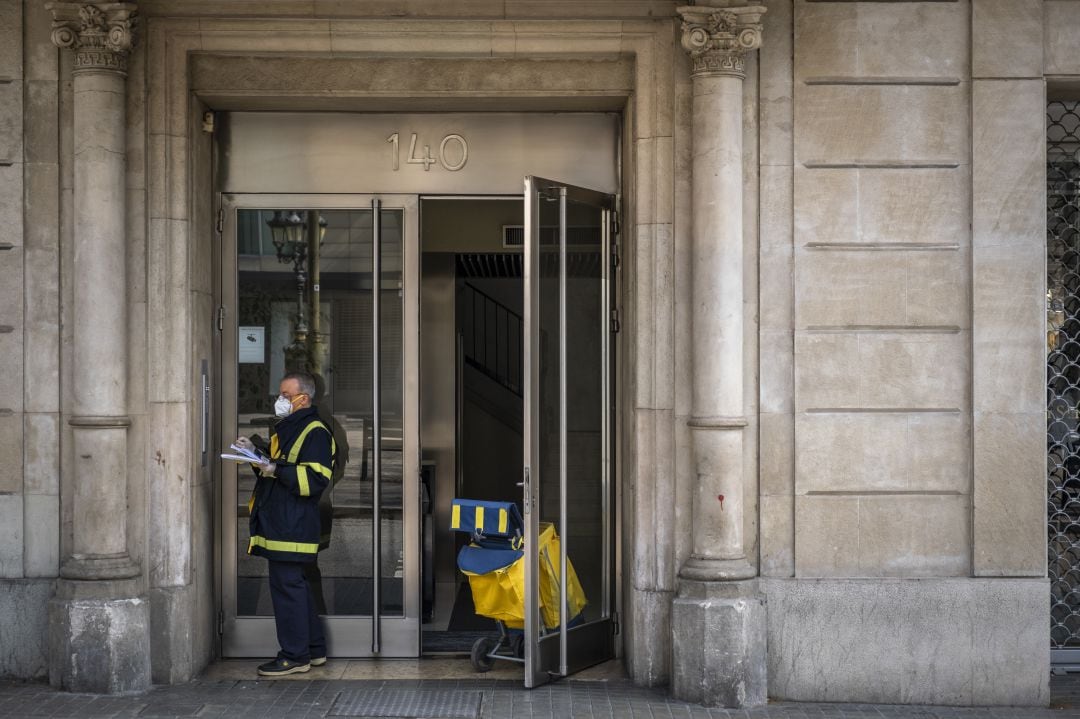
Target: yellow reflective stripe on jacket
{"type": "Point", "coordinates": [301, 469]}
{"type": "Point", "coordinates": [455, 517]}
{"type": "Point", "coordinates": [479, 523]}
{"type": "Point", "coordinates": [275, 447]}
{"type": "Point", "coordinates": [504, 518]}
{"type": "Point", "coordinates": [275, 546]}
{"type": "Point", "coordinates": [294, 451]}
{"type": "Point", "coordinates": [320, 468]}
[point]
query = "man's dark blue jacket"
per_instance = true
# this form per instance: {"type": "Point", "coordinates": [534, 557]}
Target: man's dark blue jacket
{"type": "Point", "coordinates": [285, 507]}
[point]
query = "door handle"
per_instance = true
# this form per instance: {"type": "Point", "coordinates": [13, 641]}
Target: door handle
{"type": "Point", "coordinates": [525, 483]}
{"type": "Point", "coordinates": [204, 434]}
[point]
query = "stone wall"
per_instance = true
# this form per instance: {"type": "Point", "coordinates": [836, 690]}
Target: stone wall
{"type": "Point", "coordinates": [909, 641]}
{"type": "Point", "coordinates": [776, 298]}
{"type": "Point", "coordinates": [909, 359]}
{"type": "Point", "coordinates": [29, 337]}
{"type": "Point", "coordinates": [1009, 288]}
{"type": "Point", "coordinates": [894, 283]}
{"type": "Point", "coordinates": [882, 282]}
{"type": "Point", "coordinates": [894, 426]}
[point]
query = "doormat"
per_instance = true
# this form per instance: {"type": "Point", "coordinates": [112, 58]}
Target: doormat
{"type": "Point", "coordinates": [451, 642]}
{"type": "Point", "coordinates": [408, 704]}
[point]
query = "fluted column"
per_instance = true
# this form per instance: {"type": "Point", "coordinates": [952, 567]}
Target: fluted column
{"type": "Point", "coordinates": [101, 37]}
{"type": "Point", "coordinates": [718, 40]}
{"type": "Point", "coordinates": [99, 618]}
{"type": "Point", "coordinates": [718, 615]}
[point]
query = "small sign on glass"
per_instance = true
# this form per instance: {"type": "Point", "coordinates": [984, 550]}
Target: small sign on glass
{"type": "Point", "coordinates": [252, 345]}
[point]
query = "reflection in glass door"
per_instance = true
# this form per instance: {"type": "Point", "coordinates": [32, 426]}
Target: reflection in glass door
{"type": "Point", "coordinates": [568, 435]}
{"type": "Point", "coordinates": [311, 285]}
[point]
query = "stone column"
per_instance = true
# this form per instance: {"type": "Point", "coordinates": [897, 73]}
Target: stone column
{"type": "Point", "coordinates": [99, 620]}
{"type": "Point", "coordinates": [718, 616]}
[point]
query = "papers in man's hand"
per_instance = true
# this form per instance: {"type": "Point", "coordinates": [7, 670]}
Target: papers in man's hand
{"type": "Point", "coordinates": [245, 455]}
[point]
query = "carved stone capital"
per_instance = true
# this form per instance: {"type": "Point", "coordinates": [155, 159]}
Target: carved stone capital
{"type": "Point", "coordinates": [718, 38]}
{"type": "Point", "coordinates": [102, 34]}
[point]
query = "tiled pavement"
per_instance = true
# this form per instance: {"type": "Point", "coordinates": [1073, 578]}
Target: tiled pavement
{"type": "Point", "coordinates": [497, 698]}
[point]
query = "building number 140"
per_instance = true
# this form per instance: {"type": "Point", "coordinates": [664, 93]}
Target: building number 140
{"type": "Point", "coordinates": [427, 160]}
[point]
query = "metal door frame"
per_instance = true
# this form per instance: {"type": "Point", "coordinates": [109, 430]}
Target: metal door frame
{"type": "Point", "coordinates": [347, 636]}
{"type": "Point", "coordinates": [587, 644]}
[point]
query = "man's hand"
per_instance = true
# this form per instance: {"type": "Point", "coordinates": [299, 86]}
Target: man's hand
{"type": "Point", "coordinates": [245, 443]}
{"type": "Point", "coordinates": [267, 468]}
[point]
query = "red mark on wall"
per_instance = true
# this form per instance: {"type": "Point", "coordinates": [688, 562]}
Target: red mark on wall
{"type": "Point", "coordinates": [721, 498]}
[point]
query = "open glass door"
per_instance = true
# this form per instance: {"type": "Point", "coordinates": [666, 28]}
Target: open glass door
{"type": "Point", "coordinates": [327, 285]}
{"type": "Point", "coordinates": [568, 489]}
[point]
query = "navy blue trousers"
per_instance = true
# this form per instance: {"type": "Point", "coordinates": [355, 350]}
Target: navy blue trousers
{"type": "Point", "coordinates": [299, 629]}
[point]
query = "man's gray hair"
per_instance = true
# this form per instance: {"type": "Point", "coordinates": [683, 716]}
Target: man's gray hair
{"type": "Point", "coordinates": [306, 382]}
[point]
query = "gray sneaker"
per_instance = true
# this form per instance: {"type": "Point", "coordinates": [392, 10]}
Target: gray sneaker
{"type": "Point", "coordinates": [280, 667]}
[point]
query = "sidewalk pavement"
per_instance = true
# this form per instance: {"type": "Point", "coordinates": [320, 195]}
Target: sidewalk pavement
{"type": "Point", "coordinates": [228, 689]}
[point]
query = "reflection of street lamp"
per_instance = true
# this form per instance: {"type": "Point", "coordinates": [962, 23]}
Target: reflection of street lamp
{"type": "Point", "coordinates": [316, 231]}
{"type": "Point", "coordinates": [289, 232]}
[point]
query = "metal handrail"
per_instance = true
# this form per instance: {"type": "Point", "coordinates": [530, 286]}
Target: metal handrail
{"type": "Point", "coordinates": [481, 338]}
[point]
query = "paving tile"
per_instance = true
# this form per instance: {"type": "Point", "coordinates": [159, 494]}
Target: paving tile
{"type": "Point", "coordinates": [502, 699]}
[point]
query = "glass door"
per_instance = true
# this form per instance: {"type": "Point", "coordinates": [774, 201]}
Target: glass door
{"type": "Point", "coordinates": [326, 285]}
{"type": "Point", "coordinates": [568, 489]}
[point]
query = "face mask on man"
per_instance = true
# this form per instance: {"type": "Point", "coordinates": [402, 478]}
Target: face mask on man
{"type": "Point", "coordinates": [284, 406]}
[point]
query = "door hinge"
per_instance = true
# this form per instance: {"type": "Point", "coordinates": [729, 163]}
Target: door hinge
{"type": "Point", "coordinates": [221, 318]}
{"type": "Point", "coordinates": [221, 622]}
{"type": "Point", "coordinates": [616, 259]}
{"type": "Point", "coordinates": [616, 321]}
{"type": "Point", "coordinates": [220, 219]}
{"type": "Point", "coordinates": [616, 627]}
{"type": "Point", "coordinates": [615, 227]}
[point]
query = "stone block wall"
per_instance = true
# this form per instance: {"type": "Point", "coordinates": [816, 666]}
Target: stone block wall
{"type": "Point", "coordinates": [909, 641]}
{"type": "Point", "coordinates": [29, 337]}
{"type": "Point", "coordinates": [12, 320]}
{"type": "Point", "coordinates": [882, 280]}
{"type": "Point", "coordinates": [904, 252]}
{"type": "Point", "coordinates": [899, 287]}
{"type": "Point", "coordinates": [1009, 287]}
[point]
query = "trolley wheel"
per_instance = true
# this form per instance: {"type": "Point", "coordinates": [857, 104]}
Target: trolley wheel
{"type": "Point", "coordinates": [517, 645]}
{"type": "Point", "coordinates": [480, 649]}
